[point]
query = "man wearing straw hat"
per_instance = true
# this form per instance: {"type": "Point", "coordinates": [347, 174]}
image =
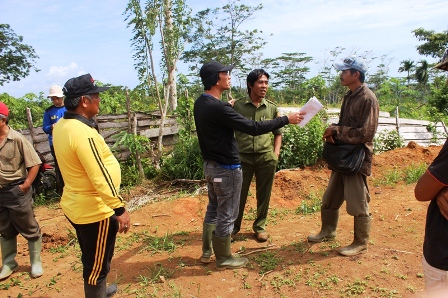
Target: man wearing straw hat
{"type": "Point", "coordinates": [51, 116]}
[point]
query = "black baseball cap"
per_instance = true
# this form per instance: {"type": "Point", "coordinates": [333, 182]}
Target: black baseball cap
{"type": "Point", "coordinates": [82, 85]}
{"type": "Point", "coordinates": [210, 70]}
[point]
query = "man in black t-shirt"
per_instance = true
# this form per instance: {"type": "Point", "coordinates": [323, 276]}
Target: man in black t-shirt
{"type": "Point", "coordinates": [432, 186]}
{"type": "Point", "coordinates": [215, 124]}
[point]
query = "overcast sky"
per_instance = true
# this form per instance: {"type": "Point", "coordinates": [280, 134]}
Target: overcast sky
{"type": "Point", "coordinates": [84, 36]}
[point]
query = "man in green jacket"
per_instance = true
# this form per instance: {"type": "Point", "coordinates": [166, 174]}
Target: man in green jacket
{"type": "Point", "coordinates": [259, 156]}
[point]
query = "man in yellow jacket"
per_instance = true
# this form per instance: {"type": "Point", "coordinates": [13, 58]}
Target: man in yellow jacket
{"type": "Point", "coordinates": [91, 199]}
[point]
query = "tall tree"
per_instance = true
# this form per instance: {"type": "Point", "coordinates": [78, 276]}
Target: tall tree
{"type": "Point", "coordinates": [16, 58]}
{"type": "Point", "coordinates": [170, 18]}
{"type": "Point", "coordinates": [217, 34]}
{"type": "Point", "coordinates": [434, 43]}
{"type": "Point", "coordinates": [407, 66]}
{"type": "Point", "coordinates": [422, 73]}
{"type": "Point", "coordinates": [289, 72]}
{"type": "Point", "coordinates": [381, 74]}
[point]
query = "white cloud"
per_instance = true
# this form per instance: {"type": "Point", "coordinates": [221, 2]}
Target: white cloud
{"type": "Point", "coordinates": [63, 72]}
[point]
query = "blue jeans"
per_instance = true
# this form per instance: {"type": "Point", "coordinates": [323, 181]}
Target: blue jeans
{"type": "Point", "coordinates": [224, 188]}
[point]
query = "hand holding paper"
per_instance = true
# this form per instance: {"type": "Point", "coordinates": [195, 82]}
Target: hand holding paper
{"type": "Point", "coordinates": [312, 107]}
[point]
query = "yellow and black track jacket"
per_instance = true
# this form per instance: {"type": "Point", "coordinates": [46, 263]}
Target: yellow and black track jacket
{"type": "Point", "coordinates": [90, 171]}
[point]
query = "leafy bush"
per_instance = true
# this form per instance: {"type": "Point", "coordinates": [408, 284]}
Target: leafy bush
{"type": "Point", "coordinates": [185, 162]}
{"type": "Point", "coordinates": [301, 146]}
{"type": "Point", "coordinates": [129, 174]}
{"type": "Point", "coordinates": [387, 140]}
{"type": "Point", "coordinates": [414, 172]}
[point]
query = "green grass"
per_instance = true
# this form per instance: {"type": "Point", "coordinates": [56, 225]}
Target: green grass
{"type": "Point", "coordinates": [267, 261]}
{"type": "Point", "coordinates": [311, 204]}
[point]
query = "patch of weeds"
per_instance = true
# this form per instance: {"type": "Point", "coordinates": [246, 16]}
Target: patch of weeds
{"type": "Point", "coordinates": [301, 247]}
{"type": "Point", "coordinates": [310, 204]}
{"type": "Point", "coordinates": [15, 281]}
{"type": "Point", "coordinates": [420, 275]}
{"type": "Point", "coordinates": [385, 292]}
{"type": "Point", "coordinates": [5, 286]}
{"type": "Point", "coordinates": [384, 270]}
{"type": "Point", "coordinates": [401, 276]}
{"type": "Point", "coordinates": [251, 214]}
{"type": "Point", "coordinates": [166, 243]}
{"type": "Point", "coordinates": [278, 213]}
{"type": "Point", "coordinates": [414, 172]}
{"type": "Point", "coordinates": [176, 291]}
{"type": "Point", "coordinates": [356, 288]}
{"type": "Point", "coordinates": [51, 284]}
{"type": "Point", "coordinates": [334, 245]}
{"type": "Point", "coordinates": [278, 281]}
{"type": "Point", "coordinates": [410, 289]}
{"type": "Point", "coordinates": [391, 178]}
{"type": "Point", "coordinates": [155, 275]}
{"type": "Point", "coordinates": [267, 261]}
{"type": "Point", "coordinates": [58, 249]}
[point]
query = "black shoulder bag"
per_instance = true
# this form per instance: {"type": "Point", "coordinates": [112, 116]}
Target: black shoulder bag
{"type": "Point", "coordinates": [344, 158]}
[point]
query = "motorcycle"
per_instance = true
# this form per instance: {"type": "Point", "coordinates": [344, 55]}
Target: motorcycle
{"type": "Point", "coordinates": [46, 180]}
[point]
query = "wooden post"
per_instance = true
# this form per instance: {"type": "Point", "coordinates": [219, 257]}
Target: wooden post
{"type": "Point", "coordinates": [138, 158]}
{"type": "Point", "coordinates": [128, 109]}
{"type": "Point", "coordinates": [397, 121]}
{"type": "Point", "coordinates": [30, 125]}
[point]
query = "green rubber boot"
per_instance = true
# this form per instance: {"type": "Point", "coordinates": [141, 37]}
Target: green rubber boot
{"type": "Point", "coordinates": [207, 248]}
{"type": "Point", "coordinates": [35, 247]}
{"type": "Point", "coordinates": [329, 220]}
{"type": "Point", "coordinates": [224, 258]}
{"type": "Point", "coordinates": [359, 244]}
{"type": "Point", "coordinates": [9, 252]}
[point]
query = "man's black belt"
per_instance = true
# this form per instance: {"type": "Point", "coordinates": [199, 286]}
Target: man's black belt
{"type": "Point", "coordinates": [17, 182]}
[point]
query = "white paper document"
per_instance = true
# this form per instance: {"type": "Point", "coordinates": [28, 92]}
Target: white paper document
{"type": "Point", "coordinates": [312, 107]}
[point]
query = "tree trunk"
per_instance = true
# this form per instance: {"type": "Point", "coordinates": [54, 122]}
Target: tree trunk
{"type": "Point", "coordinates": [170, 50]}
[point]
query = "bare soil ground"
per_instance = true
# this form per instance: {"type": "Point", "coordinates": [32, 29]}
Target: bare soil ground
{"type": "Point", "coordinates": [285, 266]}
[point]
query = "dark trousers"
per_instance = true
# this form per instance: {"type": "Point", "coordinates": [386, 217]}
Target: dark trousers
{"type": "Point", "coordinates": [97, 242]}
{"type": "Point", "coordinates": [60, 181]}
{"type": "Point", "coordinates": [17, 214]}
{"type": "Point", "coordinates": [263, 166]}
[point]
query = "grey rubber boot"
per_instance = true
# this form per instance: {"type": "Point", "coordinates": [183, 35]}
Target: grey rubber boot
{"type": "Point", "coordinates": [9, 252]}
{"type": "Point", "coordinates": [359, 244]}
{"type": "Point", "coordinates": [224, 258]}
{"type": "Point", "coordinates": [327, 232]}
{"type": "Point", "coordinates": [207, 248]}
{"type": "Point", "coordinates": [98, 291]}
{"type": "Point", "coordinates": [35, 247]}
{"type": "Point", "coordinates": [111, 290]}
